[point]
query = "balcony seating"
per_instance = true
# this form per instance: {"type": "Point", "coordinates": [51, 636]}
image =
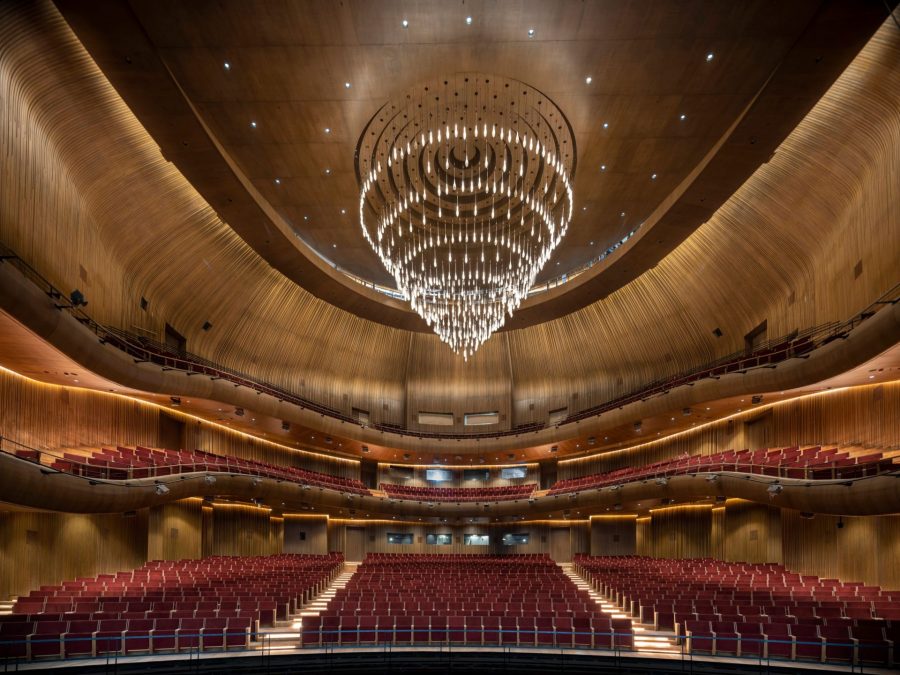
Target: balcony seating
{"type": "Point", "coordinates": [438, 494]}
{"type": "Point", "coordinates": [122, 463]}
{"type": "Point", "coordinates": [217, 603]}
{"type": "Point", "coordinates": [523, 600]}
{"type": "Point", "coordinates": [807, 463]}
{"type": "Point", "coordinates": [753, 610]}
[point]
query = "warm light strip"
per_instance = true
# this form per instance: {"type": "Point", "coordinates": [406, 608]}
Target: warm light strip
{"type": "Point", "coordinates": [681, 507]}
{"type": "Point", "coordinates": [603, 516]}
{"type": "Point", "coordinates": [189, 416]}
{"type": "Point", "coordinates": [746, 413]}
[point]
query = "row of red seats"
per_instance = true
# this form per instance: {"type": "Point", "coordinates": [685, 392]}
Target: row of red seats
{"type": "Point", "coordinates": [736, 608]}
{"type": "Point", "coordinates": [440, 494]}
{"type": "Point", "coordinates": [793, 462]}
{"type": "Point", "coordinates": [200, 598]}
{"type": "Point", "coordinates": [122, 463]}
{"type": "Point", "coordinates": [446, 597]}
{"type": "Point", "coordinates": [101, 637]}
{"type": "Point", "coordinates": [547, 631]}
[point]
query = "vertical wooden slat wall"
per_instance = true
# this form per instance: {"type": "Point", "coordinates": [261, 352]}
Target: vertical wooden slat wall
{"type": "Point", "coordinates": [176, 530]}
{"type": "Point", "coordinates": [53, 417]}
{"type": "Point", "coordinates": [46, 548]}
{"type": "Point", "coordinates": [613, 535]}
{"type": "Point", "coordinates": [867, 415]}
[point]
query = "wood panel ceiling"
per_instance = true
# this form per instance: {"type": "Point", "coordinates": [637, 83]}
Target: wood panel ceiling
{"type": "Point", "coordinates": [657, 105]}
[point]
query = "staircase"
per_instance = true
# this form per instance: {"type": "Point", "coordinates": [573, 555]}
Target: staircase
{"type": "Point", "coordinates": [285, 635]}
{"type": "Point", "coordinates": [646, 638]}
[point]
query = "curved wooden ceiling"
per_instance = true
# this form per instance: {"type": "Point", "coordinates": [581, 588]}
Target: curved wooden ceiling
{"type": "Point", "coordinates": [665, 133]}
{"type": "Point", "coordinates": [89, 200]}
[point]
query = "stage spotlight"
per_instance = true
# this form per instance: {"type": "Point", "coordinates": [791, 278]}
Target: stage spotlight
{"type": "Point", "coordinates": [662, 480]}
{"type": "Point", "coordinates": [76, 297]}
{"type": "Point", "coordinates": [775, 489]}
{"type": "Point", "coordinates": [210, 480]}
{"type": "Point", "coordinates": [161, 489]}
{"type": "Point", "coordinates": [713, 477]}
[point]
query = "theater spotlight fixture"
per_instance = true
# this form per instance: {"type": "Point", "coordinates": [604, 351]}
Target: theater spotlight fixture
{"type": "Point", "coordinates": [176, 401]}
{"type": "Point", "coordinates": [255, 482]}
{"type": "Point", "coordinates": [713, 477]}
{"type": "Point", "coordinates": [285, 426]}
{"type": "Point", "coordinates": [161, 489]}
{"type": "Point", "coordinates": [775, 489]}
{"type": "Point", "coordinates": [465, 192]}
{"type": "Point", "coordinates": [662, 480]}
{"type": "Point", "coordinates": [210, 480]}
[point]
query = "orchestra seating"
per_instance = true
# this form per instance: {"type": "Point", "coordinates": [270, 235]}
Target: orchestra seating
{"type": "Point", "coordinates": [794, 462]}
{"type": "Point", "coordinates": [438, 494]}
{"type": "Point", "coordinates": [514, 600]}
{"type": "Point", "coordinates": [753, 610]}
{"type": "Point", "coordinates": [217, 603]}
{"type": "Point", "coordinates": [122, 463]}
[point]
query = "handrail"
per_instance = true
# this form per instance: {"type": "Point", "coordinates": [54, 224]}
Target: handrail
{"type": "Point", "coordinates": [113, 647]}
{"type": "Point", "coordinates": [147, 350]}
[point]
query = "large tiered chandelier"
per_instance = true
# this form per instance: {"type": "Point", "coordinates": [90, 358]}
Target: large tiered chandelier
{"type": "Point", "coordinates": [466, 190]}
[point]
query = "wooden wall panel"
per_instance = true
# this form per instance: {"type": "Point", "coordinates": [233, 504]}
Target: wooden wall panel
{"type": "Point", "coordinates": [46, 548]}
{"type": "Point", "coordinates": [678, 532]}
{"type": "Point", "coordinates": [864, 549]}
{"type": "Point", "coordinates": [52, 417]}
{"type": "Point", "coordinates": [752, 533]}
{"type": "Point", "coordinates": [373, 538]}
{"type": "Point", "coordinates": [613, 535]}
{"type": "Point", "coordinates": [242, 530]}
{"type": "Point", "coordinates": [866, 416]}
{"type": "Point", "coordinates": [306, 534]}
{"type": "Point", "coordinates": [176, 530]}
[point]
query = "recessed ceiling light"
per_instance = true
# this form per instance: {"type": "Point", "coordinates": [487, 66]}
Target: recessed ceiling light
{"type": "Point", "coordinates": [305, 217]}
{"type": "Point", "coordinates": [531, 32]}
{"type": "Point", "coordinates": [343, 211]}
{"type": "Point", "coordinates": [468, 20]}
{"type": "Point", "coordinates": [584, 208]}
{"type": "Point", "coordinates": [606, 125]}
{"type": "Point", "coordinates": [592, 243]}
{"type": "Point", "coordinates": [404, 23]}
{"type": "Point", "coordinates": [328, 172]}
{"type": "Point", "coordinates": [622, 215]}
{"type": "Point", "coordinates": [682, 117]}
{"type": "Point", "coordinates": [334, 246]}
{"type": "Point", "coordinates": [277, 181]}
{"type": "Point", "coordinates": [346, 85]}
{"type": "Point", "coordinates": [653, 177]}
{"type": "Point", "coordinates": [871, 377]}
{"type": "Point", "coordinates": [709, 57]}
{"type": "Point", "coordinates": [588, 79]}
{"type": "Point", "coordinates": [253, 124]}
{"type": "Point", "coordinates": [226, 65]}
{"type": "Point", "coordinates": [603, 167]}
{"type": "Point", "coordinates": [327, 130]}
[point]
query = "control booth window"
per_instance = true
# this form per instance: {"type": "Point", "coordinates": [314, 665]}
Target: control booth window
{"type": "Point", "coordinates": [476, 539]}
{"type": "Point", "coordinates": [399, 537]}
{"type": "Point", "coordinates": [438, 475]}
{"type": "Point", "coordinates": [515, 539]}
{"type": "Point", "coordinates": [438, 539]}
{"type": "Point", "coordinates": [482, 475]}
{"type": "Point", "coordinates": [512, 472]}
